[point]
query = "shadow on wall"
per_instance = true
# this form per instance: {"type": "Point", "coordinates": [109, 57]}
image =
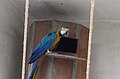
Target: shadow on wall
{"type": "Point", "coordinates": [53, 9]}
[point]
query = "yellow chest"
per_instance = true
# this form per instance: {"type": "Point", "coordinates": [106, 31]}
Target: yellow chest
{"type": "Point", "coordinates": [57, 39]}
{"type": "Point", "coordinates": [56, 42]}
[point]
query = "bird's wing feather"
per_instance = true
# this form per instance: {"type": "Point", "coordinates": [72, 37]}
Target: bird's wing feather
{"type": "Point", "coordinates": [45, 44]}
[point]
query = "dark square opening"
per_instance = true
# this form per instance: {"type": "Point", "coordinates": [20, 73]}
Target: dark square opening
{"type": "Point", "coordinates": [67, 45]}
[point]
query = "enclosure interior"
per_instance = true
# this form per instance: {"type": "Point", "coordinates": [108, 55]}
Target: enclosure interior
{"type": "Point", "coordinates": [56, 67]}
{"type": "Point", "coordinates": [73, 14]}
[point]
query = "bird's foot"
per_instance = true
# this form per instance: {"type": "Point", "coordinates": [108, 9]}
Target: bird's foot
{"type": "Point", "coordinates": [48, 52]}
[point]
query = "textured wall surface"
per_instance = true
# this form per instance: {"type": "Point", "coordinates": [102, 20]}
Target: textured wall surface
{"type": "Point", "coordinates": [65, 10]}
{"type": "Point", "coordinates": [11, 36]}
{"type": "Point", "coordinates": [105, 58]}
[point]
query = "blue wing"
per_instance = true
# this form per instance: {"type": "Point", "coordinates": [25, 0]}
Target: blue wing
{"type": "Point", "coordinates": [41, 48]}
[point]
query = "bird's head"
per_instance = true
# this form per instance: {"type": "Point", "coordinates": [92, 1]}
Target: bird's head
{"type": "Point", "coordinates": [63, 32]}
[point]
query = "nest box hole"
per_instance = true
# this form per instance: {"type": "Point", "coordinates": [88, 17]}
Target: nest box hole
{"type": "Point", "coordinates": [67, 45]}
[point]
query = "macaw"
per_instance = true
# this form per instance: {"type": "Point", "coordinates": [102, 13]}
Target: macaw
{"type": "Point", "coordinates": [47, 43]}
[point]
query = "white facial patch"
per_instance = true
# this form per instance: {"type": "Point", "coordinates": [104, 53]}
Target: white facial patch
{"type": "Point", "coordinates": [64, 30]}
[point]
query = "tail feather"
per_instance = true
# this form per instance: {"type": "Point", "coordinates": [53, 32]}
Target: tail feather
{"type": "Point", "coordinates": [33, 69]}
{"type": "Point", "coordinates": [36, 64]}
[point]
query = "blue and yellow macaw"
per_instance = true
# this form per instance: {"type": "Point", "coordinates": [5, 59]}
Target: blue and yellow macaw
{"type": "Point", "coordinates": [48, 42]}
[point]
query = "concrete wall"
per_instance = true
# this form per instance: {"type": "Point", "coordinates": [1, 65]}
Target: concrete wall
{"type": "Point", "coordinates": [76, 11]}
{"type": "Point", "coordinates": [11, 36]}
{"type": "Point", "coordinates": [105, 58]}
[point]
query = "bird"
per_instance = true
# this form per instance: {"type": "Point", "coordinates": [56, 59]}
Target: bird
{"type": "Point", "coordinates": [48, 43]}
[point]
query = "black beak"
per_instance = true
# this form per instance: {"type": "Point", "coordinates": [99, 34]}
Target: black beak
{"type": "Point", "coordinates": [66, 33]}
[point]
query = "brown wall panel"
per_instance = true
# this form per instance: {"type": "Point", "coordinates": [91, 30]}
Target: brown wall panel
{"type": "Point", "coordinates": [82, 52]}
{"type": "Point", "coordinates": [83, 42]}
{"type": "Point", "coordinates": [62, 69]}
{"type": "Point", "coordinates": [81, 69]}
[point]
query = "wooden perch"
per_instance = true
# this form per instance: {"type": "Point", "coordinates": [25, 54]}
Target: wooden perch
{"type": "Point", "coordinates": [55, 54]}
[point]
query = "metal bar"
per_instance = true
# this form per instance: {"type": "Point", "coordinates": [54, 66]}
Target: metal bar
{"type": "Point", "coordinates": [90, 38]}
{"type": "Point", "coordinates": [25, 40]}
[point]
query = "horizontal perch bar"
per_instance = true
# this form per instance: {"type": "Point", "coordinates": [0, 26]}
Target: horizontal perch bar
{"type": "Point", "coordinates": [55, 54]}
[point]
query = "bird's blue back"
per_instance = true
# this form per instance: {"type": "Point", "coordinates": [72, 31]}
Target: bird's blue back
{"type": "Point", "coordinates": [41, 48]}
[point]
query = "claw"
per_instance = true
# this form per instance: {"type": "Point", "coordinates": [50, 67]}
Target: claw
{"type": "Point", "coordinates": [48, 52]}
